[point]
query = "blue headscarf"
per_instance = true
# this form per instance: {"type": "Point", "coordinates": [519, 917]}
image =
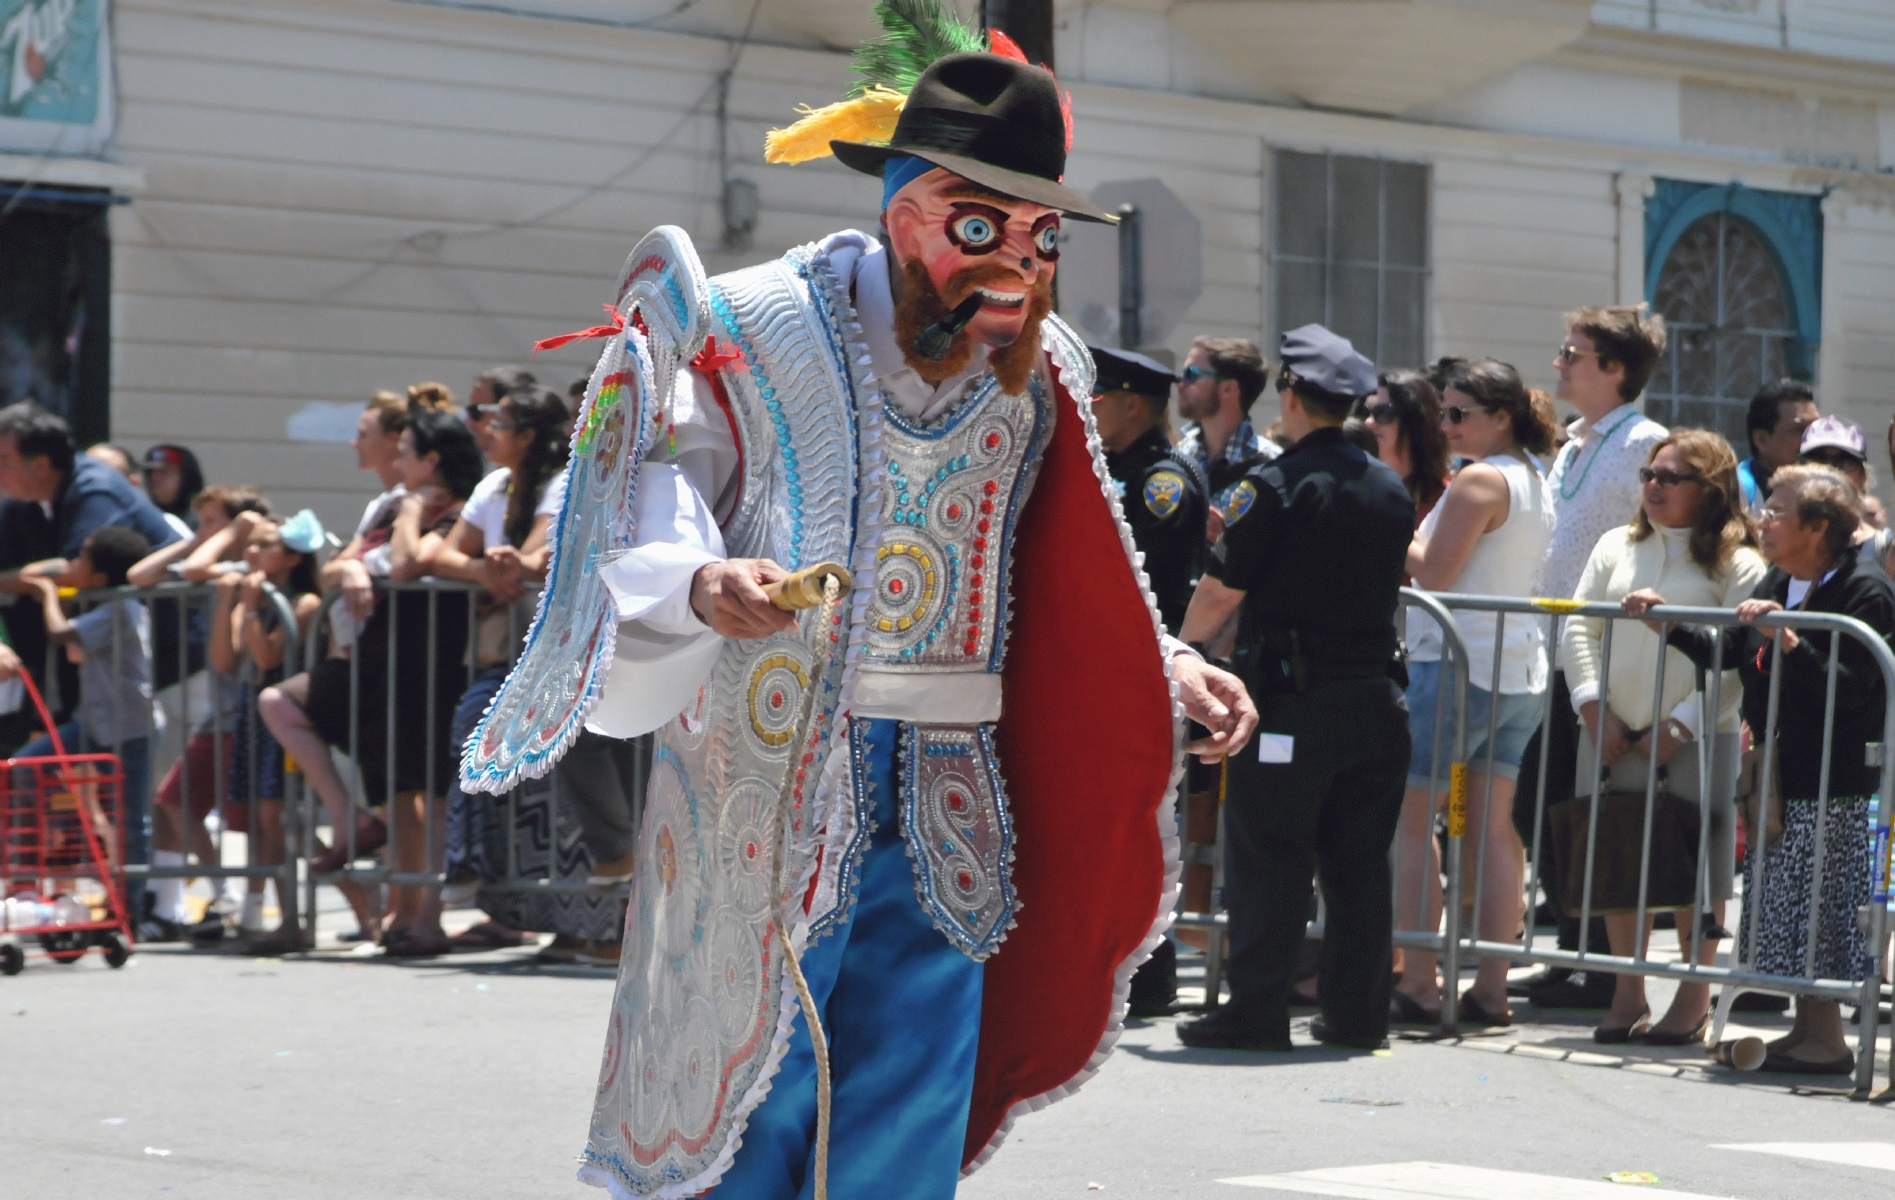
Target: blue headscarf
{"type": "Point", "coordinates": [900, 171]}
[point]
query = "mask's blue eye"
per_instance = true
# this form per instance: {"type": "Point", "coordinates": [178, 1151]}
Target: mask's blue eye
{"type": "Point", "coordinates": [974, 230]}
{"type": "Point", "coordinates": [1046, 241]}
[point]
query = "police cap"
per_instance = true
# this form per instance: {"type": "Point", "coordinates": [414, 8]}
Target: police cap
{"type": "Point", "coordinates": [1124, 371]}
{"type": "Point", "coordinates": [1326, 360]}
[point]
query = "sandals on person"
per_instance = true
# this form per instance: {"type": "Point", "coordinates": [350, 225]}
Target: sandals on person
{"type": "Point", "coordinates": [1619, 1035]}
{"type": "Point", "coordinates": [1655, 1036]}
{"type": "Point", "coordinates": [487, 935]}
{"type": "Point", "coordinates": [407, 943]}
{"type": "Point", "coordinates": [1471, 1012]}
{"type": "Point", "coordinates": [1409, 1011]}
{"type": "Point", "coordinates": [1784, 1064]}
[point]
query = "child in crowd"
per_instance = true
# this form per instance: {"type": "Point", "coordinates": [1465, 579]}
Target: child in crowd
{"type": "Point", "coordinates": [111, 642]}
{"type": "Point", "coordinates": [250, 637]}
{"type": "Point", "coordinates": [208, 709]}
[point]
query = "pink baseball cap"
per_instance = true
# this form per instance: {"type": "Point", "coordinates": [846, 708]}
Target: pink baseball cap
{"type": "Point", "coordinates": [1837, 433]}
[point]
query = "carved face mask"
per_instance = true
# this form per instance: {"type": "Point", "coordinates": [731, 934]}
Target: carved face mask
{"type": "Point", "coordinates": [963, 238]}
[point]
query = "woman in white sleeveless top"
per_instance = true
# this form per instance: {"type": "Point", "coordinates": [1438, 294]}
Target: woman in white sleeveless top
{"type": "Point", "coordinates": [1486, 537]}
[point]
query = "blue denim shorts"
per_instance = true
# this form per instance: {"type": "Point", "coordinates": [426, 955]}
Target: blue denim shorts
{"type": "Point", "coordinates": [1519, 716]}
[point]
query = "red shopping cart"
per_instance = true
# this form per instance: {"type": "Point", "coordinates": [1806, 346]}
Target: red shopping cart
{"type": "Point", "coordinates": [62, 867]}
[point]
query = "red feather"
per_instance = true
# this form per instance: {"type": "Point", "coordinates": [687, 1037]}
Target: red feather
{"type": "Point", "coordinates": [999, 43]}
{"type": "Point", "coordinates": [1066, 110]}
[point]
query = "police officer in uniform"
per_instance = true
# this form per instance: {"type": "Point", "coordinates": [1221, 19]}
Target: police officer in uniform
{"type": "Point", "coordinates": [1315, 546]}
{"type": "Point", "coordinates": [1166, 502]}
{"type": "Point", "coordinates": [1163, 493]}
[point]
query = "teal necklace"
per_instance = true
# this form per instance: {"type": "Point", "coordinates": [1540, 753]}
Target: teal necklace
{"type": "Point", "coordinates": [1599, 439]}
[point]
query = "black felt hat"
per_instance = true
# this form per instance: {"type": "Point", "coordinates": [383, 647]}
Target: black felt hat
{"type": "Point", "coordinates": [988, 118]}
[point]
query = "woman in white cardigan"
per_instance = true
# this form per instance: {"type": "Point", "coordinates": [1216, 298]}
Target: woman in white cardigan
{"type": "Point", "coordinates": [1691, 544]}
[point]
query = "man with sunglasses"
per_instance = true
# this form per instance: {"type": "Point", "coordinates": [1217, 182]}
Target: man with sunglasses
{"type": "Point", "coordinates": [1604, 361]}
{"type": "Point", "coordinates": [1221, 379]}
{"type": "Point", "coordinates": [483, 402]}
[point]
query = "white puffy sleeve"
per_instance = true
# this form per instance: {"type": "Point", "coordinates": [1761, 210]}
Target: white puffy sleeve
{"type": "Point", "coordinates": [664, 652]}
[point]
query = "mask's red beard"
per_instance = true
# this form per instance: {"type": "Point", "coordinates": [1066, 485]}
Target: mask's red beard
{"type": "Point", "coordinates": [921, 305]}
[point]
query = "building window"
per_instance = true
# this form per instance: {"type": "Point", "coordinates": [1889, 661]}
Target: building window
{"type": "Point", "coordinates": [1736, 274]}
{"type": "Point", "coordinates": [1729, 323]}
{"type": "Point", "coordinates": [1350, 250]}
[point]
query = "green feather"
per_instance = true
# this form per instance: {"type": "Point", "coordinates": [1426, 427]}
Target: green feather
{"type": "Point", "coordinates": [915, 33]}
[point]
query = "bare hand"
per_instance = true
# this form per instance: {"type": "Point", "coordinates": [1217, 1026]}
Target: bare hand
{"type": "Point", "coordinates": [358, 591]}
{"type": "Point", "coordinates": [499, 571]}
{"type": "Point", "coordinates": [728, 596]}
{"type": "Point", "coordinates": [1217, 700]}
{"type": "Point", "coordinates": [253, 587]}
{"type": "Point", "coordinates": [1615, 741]}
{"type": "Point", "coordinates": [10, 664]}
{"type": "Point", "coordinates": [1750, 610]}
{"type": "Point", "coordinates": [228, 585]}
{"type": "Point", "coordinates": [1214, 525]}
{"type": "Point", "coordinates": [1637, 604]}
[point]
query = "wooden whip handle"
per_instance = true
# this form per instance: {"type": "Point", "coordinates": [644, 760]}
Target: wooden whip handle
{"type": "Point", "coordinates": [803, 589]}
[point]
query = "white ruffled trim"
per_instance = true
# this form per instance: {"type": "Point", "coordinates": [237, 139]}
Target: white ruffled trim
{"type": "Point", "coordinates": [1074, 363]}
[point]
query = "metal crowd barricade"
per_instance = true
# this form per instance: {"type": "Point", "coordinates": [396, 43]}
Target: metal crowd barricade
{"type": "Point", "coordinates": [188, 610]}
{"type": "Point", "coordinates": [1216, 922]}
{"type": "Point", "coordinates": [383, 793]}
{"type": "Point", "coordinates": [1865, 992]}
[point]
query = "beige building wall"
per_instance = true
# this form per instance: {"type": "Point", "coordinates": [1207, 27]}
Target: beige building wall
{"type": "Point", "coordinates": [344, 195]}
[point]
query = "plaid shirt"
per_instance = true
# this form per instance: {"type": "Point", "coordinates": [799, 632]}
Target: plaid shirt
{"type": "Point", "coordinates": [1245, 449]}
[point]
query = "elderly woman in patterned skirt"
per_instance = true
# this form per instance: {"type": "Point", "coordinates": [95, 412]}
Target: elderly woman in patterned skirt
{"type": "Point", "coordinates": [1806, 530]}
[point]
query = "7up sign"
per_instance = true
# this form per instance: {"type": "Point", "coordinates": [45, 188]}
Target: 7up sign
{"type": "Point", "coordinates": [51, 63]}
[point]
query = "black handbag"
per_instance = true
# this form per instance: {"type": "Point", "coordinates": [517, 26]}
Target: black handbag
{"type": "Point", "coordinates": [1676, 824]}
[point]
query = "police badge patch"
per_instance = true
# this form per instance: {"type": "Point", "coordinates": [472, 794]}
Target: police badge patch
{"type": "Point", "coordinates": [1163, 493]}
{"type": "Point", "coordinates": [1241, 498]}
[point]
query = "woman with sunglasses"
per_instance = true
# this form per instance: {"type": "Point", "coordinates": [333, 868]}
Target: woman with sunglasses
{"type": "Point", "coordinates": [1486, 537]}
{"type": "Point", "coordinates": [1691, 543]}
{"type": "Point", "coordinates": [1405, 415]}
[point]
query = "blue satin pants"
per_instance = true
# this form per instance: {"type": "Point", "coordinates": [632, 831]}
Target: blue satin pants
{"type": "Point", "coordinates": [901, 1007]}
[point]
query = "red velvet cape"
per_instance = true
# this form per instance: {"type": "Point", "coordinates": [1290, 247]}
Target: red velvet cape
{"type": "Point", "coordinates": [1086, 750]}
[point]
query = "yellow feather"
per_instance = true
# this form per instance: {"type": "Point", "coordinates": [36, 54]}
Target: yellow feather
{"type": "Point", "coordinates": [869, 117]}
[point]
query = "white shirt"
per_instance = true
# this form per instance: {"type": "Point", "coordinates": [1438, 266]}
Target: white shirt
{"type": "Point", "coordinates": [486, 509]}
{"type": "Point", "coordinates": [1503, 563]}
{"type": "Point", "coordinates": [1594, 488]}
{"type": "Point", "coordinates": [375, 506]}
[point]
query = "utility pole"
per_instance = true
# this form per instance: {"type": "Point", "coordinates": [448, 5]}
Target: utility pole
{"type": "Point", "coordinates": [1131, 277]}
{"type": "Point", "coordinates": [1027, 22]}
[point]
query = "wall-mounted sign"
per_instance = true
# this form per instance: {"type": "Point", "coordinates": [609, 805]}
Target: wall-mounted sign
{"type": "Point", "coordinates": [55, 76]}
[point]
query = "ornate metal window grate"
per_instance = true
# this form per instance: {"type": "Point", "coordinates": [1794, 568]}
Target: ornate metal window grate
{"type": "Point", "coordinates": [1727, 308]}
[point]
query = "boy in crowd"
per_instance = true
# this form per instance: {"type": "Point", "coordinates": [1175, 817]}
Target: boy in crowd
{"type": "Point", "coordinates": [111, 642]}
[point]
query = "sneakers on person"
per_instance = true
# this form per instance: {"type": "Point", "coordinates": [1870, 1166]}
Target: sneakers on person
{"type": "Point", "coordinates": [1225, 1029]}
{"type": "Point", "coordinates": [599, 954]}
{"type": "Point", "coordinates": [617, 870]}
{"type": "Point", "coordinates": [1583, 990]}
{"type": "Point", "coordinates": [154, 928]}
{"type": "Point", "coordinates": [207, 932]}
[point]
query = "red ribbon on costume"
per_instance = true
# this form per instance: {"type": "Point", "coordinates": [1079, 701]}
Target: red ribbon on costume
{"type": "Point", "coordinates": [709, 361]}
{"type": "Point", "coordinates": [597, 331]}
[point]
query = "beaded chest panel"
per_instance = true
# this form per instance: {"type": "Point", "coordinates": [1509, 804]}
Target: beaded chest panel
{"type": "Point", "coordinates": [953, 491]}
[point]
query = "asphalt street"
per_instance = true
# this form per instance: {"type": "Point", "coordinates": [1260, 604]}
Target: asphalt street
{"type": "Point", "coordinates": [204, 1076]}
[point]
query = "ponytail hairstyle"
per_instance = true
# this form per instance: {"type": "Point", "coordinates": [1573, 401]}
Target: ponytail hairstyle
{"type": "Point", "coordinates": [539, 411]}
{"type": "Point", "coordinates": [432, 397]}
{"type": "Point", "coordinates": [1497, 387]}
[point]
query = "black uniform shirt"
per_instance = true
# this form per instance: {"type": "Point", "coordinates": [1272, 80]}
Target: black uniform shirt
{"type": "Point", "coordinates": [1318, 542]}
{"type": "Point", "coordinates": [1165, 504]}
